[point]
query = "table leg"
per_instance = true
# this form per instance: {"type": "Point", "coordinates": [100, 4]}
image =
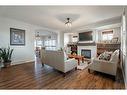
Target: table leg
{"type": "Point", "coordinates": [78, 61]}
{"type": "Point", "coordinates": [88, 70]}
{"type": "Point", "coordinates": [82, 60]}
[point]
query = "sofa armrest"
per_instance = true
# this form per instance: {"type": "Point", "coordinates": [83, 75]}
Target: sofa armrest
{"type": "Point", "coordinates": [103, 66]}
{"type": "Point", "coordinates": [70, 60]}
{"type": "Point", "coordinates": [102, 61]}
{"type": "Point", "coordinates": [70, 64]}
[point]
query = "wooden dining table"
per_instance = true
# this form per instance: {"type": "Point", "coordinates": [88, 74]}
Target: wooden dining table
{"type": "Point", "coordinates": [77, 57]}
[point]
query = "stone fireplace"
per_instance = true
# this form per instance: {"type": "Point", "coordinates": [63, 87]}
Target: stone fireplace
{"type": "Point", "coordinates": [86, 53]}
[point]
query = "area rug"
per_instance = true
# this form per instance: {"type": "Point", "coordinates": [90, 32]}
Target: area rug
{"type": "Point", "coordinates": [82, 66]}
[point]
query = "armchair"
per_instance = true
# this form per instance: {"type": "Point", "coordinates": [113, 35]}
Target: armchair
{"type": "Point", "coordinates": [58, 60]}
{"type": "Point", "coordinates": [108, 67]}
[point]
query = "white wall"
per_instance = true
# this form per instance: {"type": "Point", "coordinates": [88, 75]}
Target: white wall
{"type": "Point", "coordinates": [124, 46]}
{"type": "Point", "coordinates": [21, 53]}
{"type": "Point", "coordinates": [66, 39]}
{"type": "Point", "coordinates": [60, 39]}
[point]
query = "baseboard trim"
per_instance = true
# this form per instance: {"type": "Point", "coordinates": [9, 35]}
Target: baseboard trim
{"type": "Point", "coordinates": [22, 62]}
{"type": "Point", "coordinates": [19, 63]}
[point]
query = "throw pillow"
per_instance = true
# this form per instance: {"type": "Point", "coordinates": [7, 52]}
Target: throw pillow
{"type": "Point", "coordinates": [101, 56]}
{"type": "Point", "coordinates": [105, 56]}
{"type": "Point", "coordinates": [114, 56]}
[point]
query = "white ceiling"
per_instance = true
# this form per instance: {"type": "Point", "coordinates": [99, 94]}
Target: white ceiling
{"type": "Point", "coordinates": [53, 17]}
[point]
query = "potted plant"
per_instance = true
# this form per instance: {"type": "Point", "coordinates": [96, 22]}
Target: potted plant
{"type": "Point", "coordinates": [5, 55]}
{"type": "Point", "coordinates": [0, 63]}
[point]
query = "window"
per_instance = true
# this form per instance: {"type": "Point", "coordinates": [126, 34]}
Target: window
{"type": "Point", "coordinates": [38, 43]}
{"type": "Point", "coordinates": [107, 35]}
{"type": "Point", "coordinates": [50, 44]}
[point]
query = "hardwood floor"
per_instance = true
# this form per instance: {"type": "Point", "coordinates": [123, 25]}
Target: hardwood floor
{"type": "Point", "coordinates": [34, 76]}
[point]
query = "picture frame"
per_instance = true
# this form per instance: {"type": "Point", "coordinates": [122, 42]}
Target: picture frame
{"type": "Point", "coordinates": [17, 36]}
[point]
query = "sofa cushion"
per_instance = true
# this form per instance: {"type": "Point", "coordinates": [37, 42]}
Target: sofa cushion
{"type": "Point", "coordinates": [114, 56]}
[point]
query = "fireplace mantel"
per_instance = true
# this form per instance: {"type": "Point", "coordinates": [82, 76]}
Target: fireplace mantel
{"type": "Point", "coordinates": [86, 44]}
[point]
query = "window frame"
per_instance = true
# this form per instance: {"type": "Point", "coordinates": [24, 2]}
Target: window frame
{"type": "Point", "coordinates": [49, 45]}
{"type": "Point", "coordinates": [108, 35]}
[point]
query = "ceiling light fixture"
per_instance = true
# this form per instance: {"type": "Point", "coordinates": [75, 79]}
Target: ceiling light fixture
{"type": "Point", "coordinates": [37, 36]}
{"type": "Point", "coordinates": [68, 23]}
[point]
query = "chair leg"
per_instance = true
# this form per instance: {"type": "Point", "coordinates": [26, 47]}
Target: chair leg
{"type": "Point", "coordinates": [75, 68]}
{"type": "Point", "coordinates": [88, 70]}
{"type": "Point", "coordinates": [64, 74]}
{"type": "Point", "coordinates": [42, 65]}
{"type": "Point", "coordinates": [115, 78]}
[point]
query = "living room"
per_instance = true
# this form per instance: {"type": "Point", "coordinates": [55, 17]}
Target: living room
{"type": "Point", "coordinates": [75, 37]}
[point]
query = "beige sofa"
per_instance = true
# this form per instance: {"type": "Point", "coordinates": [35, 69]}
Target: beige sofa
{"type": "Point", "coordinates": [108, 67]}
{"type": "Point", "coordinates": [57, 60]}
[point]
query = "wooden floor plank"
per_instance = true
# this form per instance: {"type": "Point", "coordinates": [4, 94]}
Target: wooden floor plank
{"type": "Point", "coordinates": [34, 76]}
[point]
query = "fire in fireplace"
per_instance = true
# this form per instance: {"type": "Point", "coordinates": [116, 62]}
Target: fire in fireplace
{"type": "Point", "coordinates": [86, 53]}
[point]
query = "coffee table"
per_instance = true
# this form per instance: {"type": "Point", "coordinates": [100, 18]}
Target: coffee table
{"type": "Point", "coordinates": [77, 57]}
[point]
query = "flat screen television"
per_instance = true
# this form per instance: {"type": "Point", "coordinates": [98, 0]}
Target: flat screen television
{"type": "Point", "coordinates": [85, 36]}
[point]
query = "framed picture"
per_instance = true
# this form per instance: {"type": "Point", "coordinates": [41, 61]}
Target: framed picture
{"type": "Point", "coordinates": [17, 36]}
